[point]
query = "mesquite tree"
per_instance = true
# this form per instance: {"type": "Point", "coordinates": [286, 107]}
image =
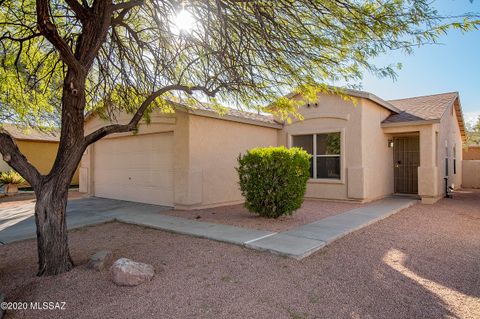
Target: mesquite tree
{"type": "Point", "coordinates": [61, 59]}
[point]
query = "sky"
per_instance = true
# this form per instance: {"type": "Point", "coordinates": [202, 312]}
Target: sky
{"type": "Point", "coordinates": [451, 65]}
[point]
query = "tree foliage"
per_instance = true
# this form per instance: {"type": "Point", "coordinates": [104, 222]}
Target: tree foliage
{"type": "Point", "coordinates": [473, 133]}
{"type": "Point", "coordinates": [248, 53]}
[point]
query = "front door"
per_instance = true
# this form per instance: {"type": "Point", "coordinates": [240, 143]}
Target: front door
{"type": "Point", "coordinates": [406, 159]}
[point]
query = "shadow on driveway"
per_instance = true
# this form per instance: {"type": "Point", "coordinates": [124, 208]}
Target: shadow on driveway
{"type": "Point", "coordinates": [17, 222]}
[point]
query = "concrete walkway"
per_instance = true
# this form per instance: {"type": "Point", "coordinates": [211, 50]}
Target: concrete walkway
{"type": "Point", "coordinates": [18, 223]}
{"type": "Point", "coordinates": [302, 241]}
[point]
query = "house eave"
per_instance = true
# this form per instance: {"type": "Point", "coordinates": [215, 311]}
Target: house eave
{"type": "Point", "coordinates": [359, 94]}
{"type": "Point", "coordinates": [410, 123]}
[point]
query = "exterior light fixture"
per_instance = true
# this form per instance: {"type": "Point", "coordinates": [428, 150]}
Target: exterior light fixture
{"type": "Point", "coordinates": [390, 143]}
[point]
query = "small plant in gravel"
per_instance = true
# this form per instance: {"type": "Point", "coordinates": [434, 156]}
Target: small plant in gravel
{"type": "Point", "coordinates": [11, 177]}
{"type": "Point", "coordinates": [273, 180]}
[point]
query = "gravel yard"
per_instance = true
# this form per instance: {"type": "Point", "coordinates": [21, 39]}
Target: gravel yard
{"type": "Point", "coordinates": [423, 262]}
{"type": "Point", "coordinates": [237, 215]}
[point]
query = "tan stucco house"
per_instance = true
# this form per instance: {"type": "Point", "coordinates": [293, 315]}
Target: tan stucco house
{"type": "Point", "coordinates": [363, 148]}
{"type": "Point", "coordinates": [39, 147]}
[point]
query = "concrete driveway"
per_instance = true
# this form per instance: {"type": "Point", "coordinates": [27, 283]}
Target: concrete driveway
{"type": "Point", "coordinates": [17, 222]}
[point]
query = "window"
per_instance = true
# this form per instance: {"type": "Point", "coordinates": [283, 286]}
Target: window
{"type": "Point", "coordinates": [446, 158]}
{"type": "Point", "coordinates": [325, 151]}
{"type": "Point", "coordinates": [454, 159]}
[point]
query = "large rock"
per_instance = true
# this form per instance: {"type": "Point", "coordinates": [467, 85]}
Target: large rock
{"type": "Point", "coordinates": [100, 260]}
{"type": "Point", "coordinates": [126, 272]}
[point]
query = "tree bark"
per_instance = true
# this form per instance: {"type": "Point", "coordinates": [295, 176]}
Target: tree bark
{"type": "Point", "coordinates": [50, 217]}
{"type": "Point", "coordinates": [52, 191]}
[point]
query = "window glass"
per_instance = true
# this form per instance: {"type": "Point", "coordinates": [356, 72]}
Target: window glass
{"type": "Point", "coordinates": [328, 144]}
{"type": "Point", "coordinates": [303, 141]}
{"type": "Point", "coordinates": [325, 161]}
{"type": "Point", "coordinates": [446, 166]}
{"type": "Point", "coordinates": [328, 167]}
{"type": "Point", "coordinates": [311, 167]}
{"type": "Point", "coordinates": [454, 159]}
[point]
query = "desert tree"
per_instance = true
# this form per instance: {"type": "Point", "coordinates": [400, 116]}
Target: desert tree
{"type": "Point", "coordinates": [61, 59]}
{"type": "Point", "coordinates": [473, 133]}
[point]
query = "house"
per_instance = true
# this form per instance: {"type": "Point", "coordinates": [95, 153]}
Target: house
{"type": "Point", "coordinates": [363, 148]}
{"type": "Point", "coordinates": [39, 146]}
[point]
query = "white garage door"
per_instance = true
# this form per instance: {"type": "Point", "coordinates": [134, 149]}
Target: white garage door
{"type": "Point", "coordinates": [135, 168]}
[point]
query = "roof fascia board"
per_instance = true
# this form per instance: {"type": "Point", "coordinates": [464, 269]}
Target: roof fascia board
{"type": "Point", "coordinates": [411, 123]}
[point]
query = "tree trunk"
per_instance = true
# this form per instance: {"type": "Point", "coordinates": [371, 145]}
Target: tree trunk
{"type": "Point", "coordinates": [52, 241]}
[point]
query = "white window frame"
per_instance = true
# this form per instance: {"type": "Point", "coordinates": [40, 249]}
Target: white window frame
{"type": "Point", "coordinates": [341, 180]}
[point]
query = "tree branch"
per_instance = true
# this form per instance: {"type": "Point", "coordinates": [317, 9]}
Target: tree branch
{"type": "Point", "coordinates": [127, 5]}
{"type": "Point", "coordinates": [49, 30]}
{"type": "Point", "coordinates": [14, 158]}
{"type": "Point", "coordinates": [80, 11]}
{"type": "Point", "coordinates": [124, 11]}
{"type": "Point", "coordinates": [122, 128]}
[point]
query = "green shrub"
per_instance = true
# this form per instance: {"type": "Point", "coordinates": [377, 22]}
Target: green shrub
{"type": "Point", "coordinates": [11, 177]}
{"type": "Point", "coordinates": [273, 180]}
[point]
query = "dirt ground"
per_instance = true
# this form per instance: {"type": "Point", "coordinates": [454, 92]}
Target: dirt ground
{"type": "Point", "coordinates": [423, 262]}
{"type": "Point", "coordinates": [237, 215]}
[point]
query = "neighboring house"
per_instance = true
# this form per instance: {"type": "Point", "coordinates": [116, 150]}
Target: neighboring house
{"type": "Point", "coordinates": [39, 147]}
{"type": "Point", "coordinates": [362, 150]}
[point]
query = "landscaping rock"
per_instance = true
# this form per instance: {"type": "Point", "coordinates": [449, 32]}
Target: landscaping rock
{"type": "Point", "coordinates": [126, 272]}
{"type": "Point", "coordinates": [100, 260]}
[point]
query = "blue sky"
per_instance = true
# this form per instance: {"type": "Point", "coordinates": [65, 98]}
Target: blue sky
{"type": "Point", "coordinates": [452, 65]}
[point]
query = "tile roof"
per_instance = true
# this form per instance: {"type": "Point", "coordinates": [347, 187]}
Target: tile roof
{"type": "Point", "coordinates": [421, 108]}
{"type": "Point", "coordinates": [414, 109]}
{"type": "Point", "coordinates": [19, 132]}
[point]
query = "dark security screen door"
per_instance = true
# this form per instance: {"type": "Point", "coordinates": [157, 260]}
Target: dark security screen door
{"type": "Point", "coordinates": [406, 159]}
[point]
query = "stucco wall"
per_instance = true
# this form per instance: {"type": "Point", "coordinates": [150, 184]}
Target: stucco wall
{"type": "Point", "coordinates": [40, 154]}
{"type": "Point", "coordinates": [377, 156]}
{"type": "Point", "coordinates": [334, 114]}
{"type": "Point", "coordinates": [205, 155]}
{"type": "Point", "coordinates": [471, 174]}
{"type": "Point", "coordinates": [449, 138]}
{"type": "Point", "coordinates": [214, 146]}
{"type": "Point", "coordinates": [471, 153]}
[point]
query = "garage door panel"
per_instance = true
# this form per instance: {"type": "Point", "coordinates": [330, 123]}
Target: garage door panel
{"type": "Point", "coordinates": [137, 168]}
